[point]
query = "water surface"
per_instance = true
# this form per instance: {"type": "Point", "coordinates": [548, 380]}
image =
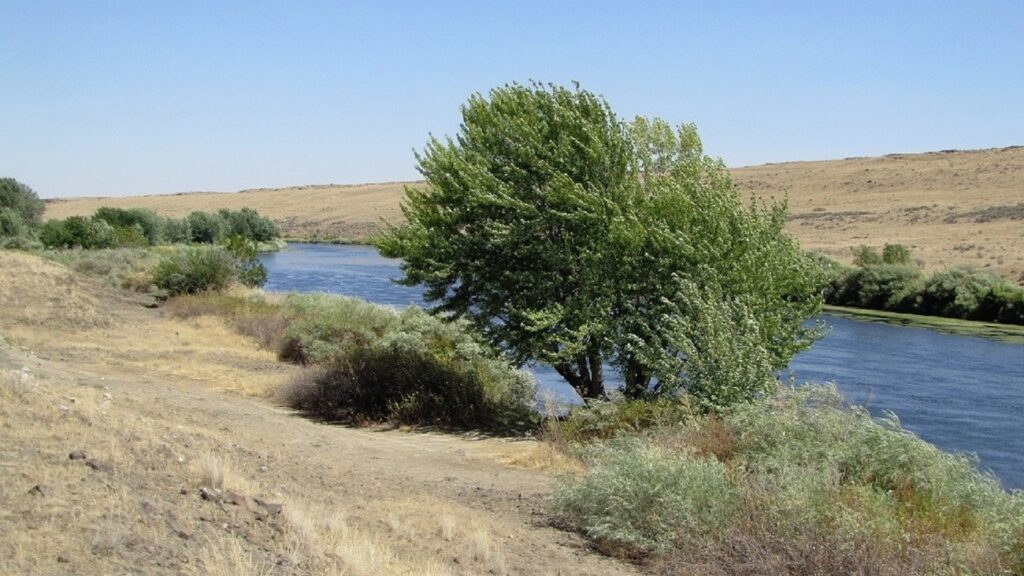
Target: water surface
{"type": "Point", "coordinates": [962, 393]}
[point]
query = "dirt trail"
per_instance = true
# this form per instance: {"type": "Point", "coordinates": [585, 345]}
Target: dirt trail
{"type": "Point", "coordinates": [157, 406]}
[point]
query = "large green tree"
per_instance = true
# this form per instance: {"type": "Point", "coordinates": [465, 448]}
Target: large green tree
{"type": "Point", "coordinates": [570, 237]}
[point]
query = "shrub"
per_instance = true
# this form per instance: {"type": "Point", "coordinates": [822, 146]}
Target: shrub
{"type": "Point", "coordinates": [12, 223]}
{"type": "Point", "coordinates": [148, 222]}
{"type": "Point", "coordinates": [130, 268]}
{"type": "Point", "coordinates": [247, 223]}
{"type": "Point", "coordinates": [206, 228]}
{"type": "Point", "coordinates": [177, 231]}
{"type": "Point", "coordinates": [411, 368]}
{"type": "Point", "coordinates": [77, 231]}
{"type": "Point", "coordinates": [814, 487]}
{"type": "Point", "coordinates": [606, 419]}
{"type": "Point", "coordinates": [638, 497]}
{"type": "Point", "coordinates": [960, 293]}
{"type": "Point", "coordinates": [194, 270]}
{"type": "Point", "coordinates": [130, 237]}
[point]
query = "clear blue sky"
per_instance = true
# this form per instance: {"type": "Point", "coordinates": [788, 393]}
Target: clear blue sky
{"type": "Point", "coordinates": [136, 97]}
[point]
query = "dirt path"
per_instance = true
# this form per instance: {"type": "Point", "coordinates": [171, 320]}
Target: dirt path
{"type": "Point", "coordinates": [143, 396]}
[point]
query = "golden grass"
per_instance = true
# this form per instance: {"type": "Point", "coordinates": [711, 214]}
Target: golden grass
{"type": "Point", "coordinates": [925, 201]}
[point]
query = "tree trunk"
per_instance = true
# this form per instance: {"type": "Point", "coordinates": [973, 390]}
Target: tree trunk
{"type": "Point", "coordinates": [637, 380]}
{"type": "Point", "coordinates": [586, 377]}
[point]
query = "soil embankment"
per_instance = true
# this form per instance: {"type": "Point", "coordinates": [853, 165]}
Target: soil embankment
{"type": "Point", "coordinates": [133, 442]}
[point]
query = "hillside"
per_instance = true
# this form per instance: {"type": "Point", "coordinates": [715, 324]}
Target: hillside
{"type": "Point", "coordinates": [951, 208]}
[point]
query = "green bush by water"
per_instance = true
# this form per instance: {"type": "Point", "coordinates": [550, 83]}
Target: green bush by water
{"type": "Point", "coordinates": [892, 282]}
{"type": "Point", "coordinates": [796, 484]}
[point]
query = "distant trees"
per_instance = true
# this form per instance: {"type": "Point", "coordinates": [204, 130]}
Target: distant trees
{"type": "Point", "coordinates": [118, 227]}
{"type": "Point", "coordinates": [568, 236]}
{"type": "Point", "coordinates": [892, 281]}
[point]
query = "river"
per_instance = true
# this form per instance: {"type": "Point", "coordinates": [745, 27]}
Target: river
{"type": "Point", "coordinates": [962, 393]}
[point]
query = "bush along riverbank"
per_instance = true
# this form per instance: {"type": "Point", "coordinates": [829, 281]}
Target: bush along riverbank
{"type": "Point", "coordinates": [797, 483]}
{"type": "Point", "coordinates": [893, 282]}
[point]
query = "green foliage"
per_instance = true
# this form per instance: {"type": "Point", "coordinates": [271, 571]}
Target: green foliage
{"type": "Point", "coordinates": [563, 233]}
{"type": "Point", "coordinates": [77, 231]}
{"type": "Point", "coordinates": [22, 201]}
{"type": "Point", "coordinates": [248, 224]}
{"type": "Point", "coordinates": [896, 254]}
{"type": "Point", "coordinates": [865, 256]}
{"type": "Point", "coordinates": [641, 497]}
{"type": "Point", "coordinates": [606, 419]}
{"type": "Point", "coordinates": [130, 237]}
{"type": "Point", "coordinates": [12, 223]}
{"type": "Point", "coordinates": [177, 231]}
{"type": "Point", "coordinates": [206, 228]}
{"type": "Point", "coordinates": [148, 222]}
{"type": "Point", "coordinates": [250, 271]}
{"type": "Point", "coordinates": [377, 365]}
{"type": "Point", "coordinates": [892, 283]}
{"type": "Point", "coordinates": [194, 270]}
{"type": "Point", "coordinates": [800, 484]}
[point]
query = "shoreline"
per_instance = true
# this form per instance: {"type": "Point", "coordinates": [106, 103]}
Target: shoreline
{"type": "Point", "coordinates": [1008, 333]}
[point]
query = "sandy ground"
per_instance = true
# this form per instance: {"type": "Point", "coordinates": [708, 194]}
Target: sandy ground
{"type": "Point", "coordinates": [951, 208]}
{"type": "Point", "coordinates": [188, 466]}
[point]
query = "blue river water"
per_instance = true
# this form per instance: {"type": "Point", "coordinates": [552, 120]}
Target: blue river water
{"type": "Point", "coordinates": [962, 393]}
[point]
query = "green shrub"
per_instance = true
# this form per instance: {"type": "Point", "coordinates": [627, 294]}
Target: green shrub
{"type": "Point", "coordinates": [177, 231]}
{"type": "Point", "coordinates": [206, 228]}
{"type": "Point", "coordinates": [12, 223]}
{"type": "Point", "coordinates": [148, 222]}
{"type": "Point", "coordinates": [410, 368]}
{"type": "Point", "coordinates": [814, 487]}
{"type": "Point", "coordinates": [194, 270]}
{"type": "Point", "coordinates": [248, 224]}
{"type": "Point", "coordinates": [960, 293]}
{"type": "Point", "coordinates": [640, 497]}
{"type": "Point", "coordinates": [605, 419]}
{"type": "Point", "coordinates": [130, 237]}
{"type": "Point", "coordinates": [77, 231]}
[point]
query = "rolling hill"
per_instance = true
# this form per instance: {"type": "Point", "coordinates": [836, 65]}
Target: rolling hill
{"type": "Point", "coordinates": [950, 207]}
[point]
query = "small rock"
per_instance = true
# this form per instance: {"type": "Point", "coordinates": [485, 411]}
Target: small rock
{"type": "Point", "coordinates": [64, 408]}
{"type": "Point", "coordinates": [211, 494]}
{"type": "Point", "coordinates": [62, 560]}
{"type": "Point", "coordinates": [236, 499]}
{"type": "Point", "coordinates": [183, 491]}
{"type": "Point", "coordinates": [77, 455]}
{"type": "Point", "coordinates": [107, 396]}
{"type": "Point", "coordinates": [269, 506]}
{"type": "Point", "coordinates": [99, 465]}
{"type": "Point", "coordinates": [40, 490]}
{"type": "Point", "coordinates": [180, 531]}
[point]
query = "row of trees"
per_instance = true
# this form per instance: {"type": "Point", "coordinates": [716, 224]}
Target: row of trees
{"type": "Point", "coordinates": [569, 236]}
{"type": "Point", "coordinates": [892, 281]}
{"type": "Point", "coordinates": [117, 227]}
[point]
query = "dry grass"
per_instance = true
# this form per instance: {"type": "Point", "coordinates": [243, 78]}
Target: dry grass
{"type": "Point", "coordinates": [935, 203]}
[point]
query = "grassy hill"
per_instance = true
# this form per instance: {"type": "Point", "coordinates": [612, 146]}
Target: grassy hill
{"type": "Point", "coordinates": [950, 207]}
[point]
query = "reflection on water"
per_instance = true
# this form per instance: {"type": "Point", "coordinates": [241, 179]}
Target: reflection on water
{"type": "Point", "coordinates": [960, 392]}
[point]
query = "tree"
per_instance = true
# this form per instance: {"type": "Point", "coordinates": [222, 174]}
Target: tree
{"type": "Point", "coordinates": [20, 207]}
{"type": "Point", "coordinates": [570, 237]}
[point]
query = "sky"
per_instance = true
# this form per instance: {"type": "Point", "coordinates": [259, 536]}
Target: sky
{"type": "Point", "coordinates": [113, 98]}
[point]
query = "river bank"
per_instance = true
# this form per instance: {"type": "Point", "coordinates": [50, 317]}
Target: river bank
{"type": "Point", "coordinates": [1009, 333]}
{"type": "Point", "coordinates": [184, 463]}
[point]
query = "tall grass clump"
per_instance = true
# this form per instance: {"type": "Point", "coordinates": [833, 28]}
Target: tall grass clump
{"type": "Point", "coordinates": [130, 268]}
{"type": "Point", "coordinates": [812, 487]}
